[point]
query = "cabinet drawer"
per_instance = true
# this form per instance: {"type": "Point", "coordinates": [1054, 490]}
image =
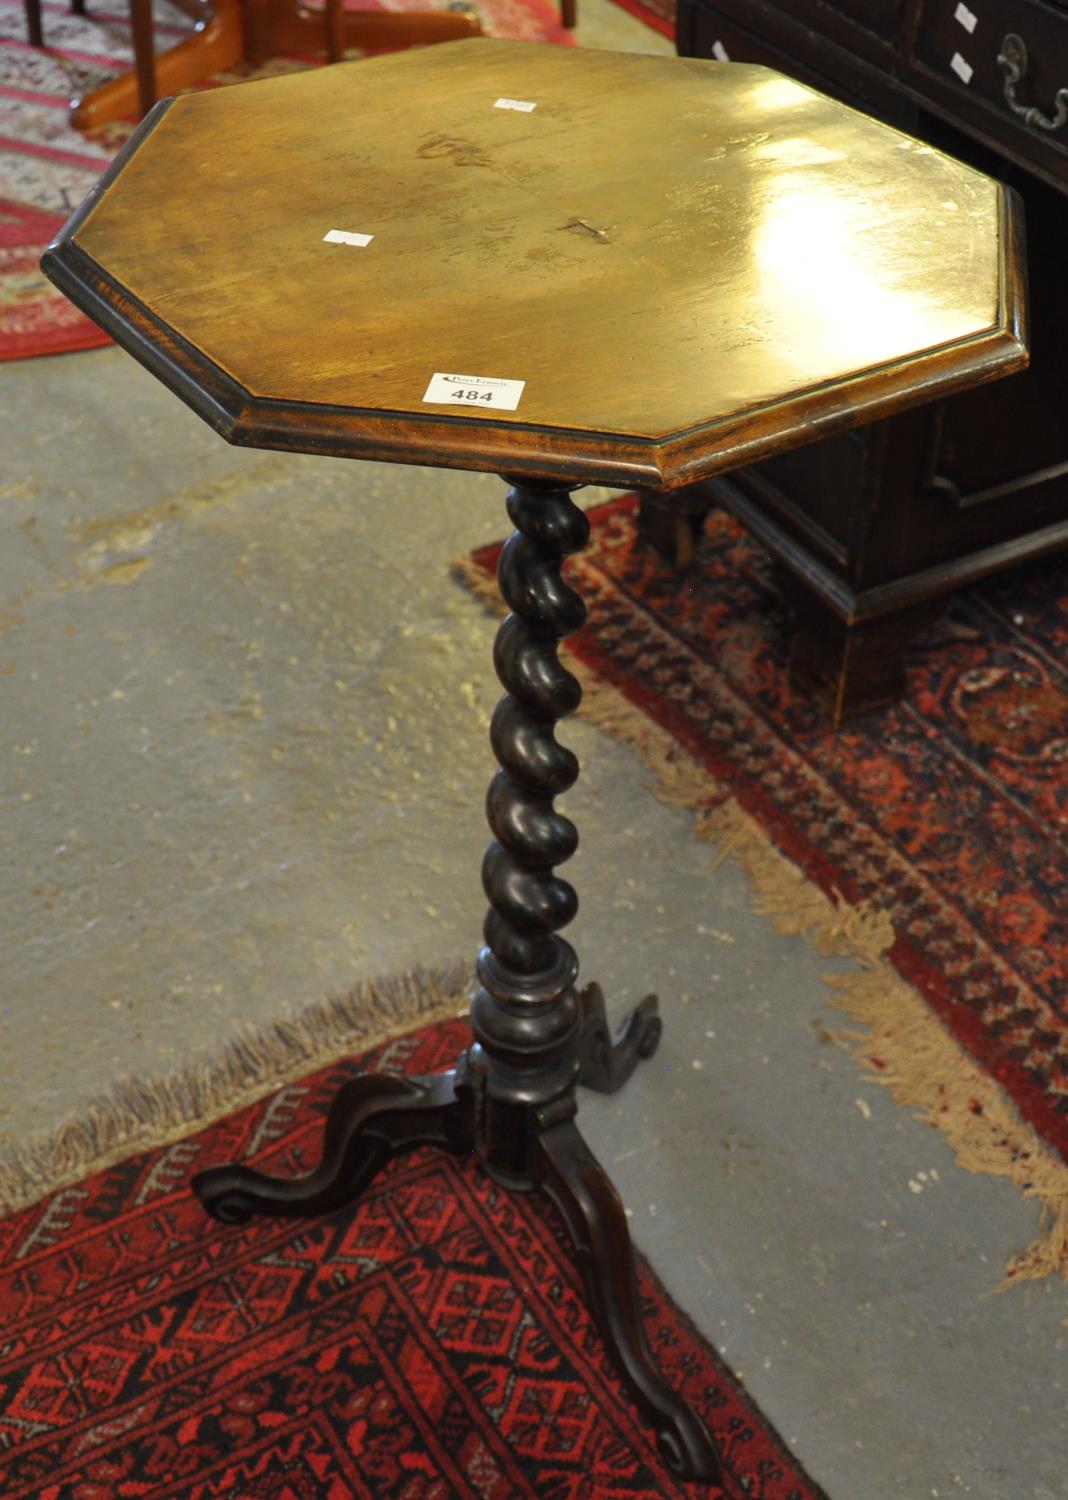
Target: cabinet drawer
{"type": "Point", "coordinates": [779, 41]}
{"type": "Point", "coordinates": [959, 42]}
{"type": "Point", "coordinates": [845, 21]}
{"type": "Point", "coordinates": [883, 17]}
{"type": "Point", "coordinates": [716, 36]}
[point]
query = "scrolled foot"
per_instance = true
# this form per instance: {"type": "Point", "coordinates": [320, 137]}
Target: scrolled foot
{"type": "Point", "coordinates": [686, 1447]}
{"type": "Point", "coordinates": [371, 1119]}
{"type": "Point", "coordinates": [607, 1061]}
{"type": "Point", "coordinates": [229, 1193]}
{"type": "Point", "coordinates": [576, 1182]}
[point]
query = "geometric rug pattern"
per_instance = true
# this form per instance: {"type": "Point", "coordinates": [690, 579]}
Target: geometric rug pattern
{"type": "Point", "coordinates": [432, 1341]}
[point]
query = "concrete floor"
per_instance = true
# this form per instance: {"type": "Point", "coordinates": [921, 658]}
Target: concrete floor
{"type": "Point", "coordinates": [244, 756]}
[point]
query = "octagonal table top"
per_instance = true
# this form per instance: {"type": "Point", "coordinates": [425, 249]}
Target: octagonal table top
{"type": "Point", "coordinates": [541, 260]}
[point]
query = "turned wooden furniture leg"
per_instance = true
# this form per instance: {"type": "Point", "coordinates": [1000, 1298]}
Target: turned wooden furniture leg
{"type": "Point", "coordinates": [144, 50]}
{"type": "Point", "coordinates": [335, 30]}
{"type": "Point", "coordinates": [225, 37]}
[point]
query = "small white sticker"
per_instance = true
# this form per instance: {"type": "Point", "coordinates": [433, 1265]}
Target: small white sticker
{"type": "Point", "coordinates": [523, 105]}
{"type": "Point", "coordinates": [961, 67]}
{"type": "Point", "coordinates": [966, 17]}
{"type": "Point", "coordinates": [344, 237]}
{"type": "Point", "coordinates": [719, 52]}
{"type": "Point", "coordinates": [474, 392]}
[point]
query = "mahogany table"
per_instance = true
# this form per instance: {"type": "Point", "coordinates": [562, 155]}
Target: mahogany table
{"type": "Point", "coordinates": [564, 267]}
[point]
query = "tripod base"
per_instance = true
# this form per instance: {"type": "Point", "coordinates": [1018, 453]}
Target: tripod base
{"type": "Point", "coordinates": [376, 1117]}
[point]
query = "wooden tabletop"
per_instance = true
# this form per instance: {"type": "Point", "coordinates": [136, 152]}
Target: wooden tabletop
{"type": "Point", "coordinates": [500, 255]}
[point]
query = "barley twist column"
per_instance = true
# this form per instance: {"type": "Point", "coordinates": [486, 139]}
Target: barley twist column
{"type": "Point", "coordinates": [526, 1013]}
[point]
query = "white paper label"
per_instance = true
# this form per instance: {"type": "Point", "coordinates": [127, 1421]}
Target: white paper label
{"type": "Point", "coordinates": [961, 67]}
{"type": "Point", "coordinates": [523, 105]}
{"type": "Point", "coordinates": [345, 237]}
{"type": "Point", "coordinates": [474, 392]}
{"type": "Point", "coordinates": [719, 52]}
{"type": "Point", "coordinates": [966, 17]}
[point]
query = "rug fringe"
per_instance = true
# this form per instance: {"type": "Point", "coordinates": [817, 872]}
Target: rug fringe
{"type": "Point", "coordinates": [142, 1114]}
{"type": "Point", "coordinates": [904, 1047]}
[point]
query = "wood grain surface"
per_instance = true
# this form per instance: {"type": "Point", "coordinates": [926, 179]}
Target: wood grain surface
{"type": "Point", "coordinates": [686, 256]}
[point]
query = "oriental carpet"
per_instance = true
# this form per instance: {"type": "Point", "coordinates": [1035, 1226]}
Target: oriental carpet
{"type": "Point", "coordinates": [929, 839]}
{"type": "Point", "coordinates": [431, 1343]}
{"type": "Point", "coordinates": [47, 167]}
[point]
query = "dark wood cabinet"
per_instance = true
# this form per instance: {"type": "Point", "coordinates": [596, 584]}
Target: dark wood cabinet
{"type": "Point", "coordinates": [874, 529]}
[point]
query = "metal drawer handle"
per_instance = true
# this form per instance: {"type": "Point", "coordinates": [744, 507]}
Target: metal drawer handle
{"type": "Point", "coordinates": [1012, 60]}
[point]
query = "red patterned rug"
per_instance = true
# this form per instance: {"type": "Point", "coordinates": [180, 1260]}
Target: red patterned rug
{"type": "Point", "coordinates": [948, 811]}
{"type": "Point", "coordinates": [46, 167]}
{"type": "Point", "coordinates": [431, 1343]}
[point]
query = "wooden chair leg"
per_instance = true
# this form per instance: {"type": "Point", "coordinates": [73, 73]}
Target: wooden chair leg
{"type": "Point", "coordinates": [335, 30]}
{"type": "Point", "coordinates": [34, 29]}
{"type": "Point", "coordinates": [569, 13]}
{"type": "Point", "coordinates": [144, 49]}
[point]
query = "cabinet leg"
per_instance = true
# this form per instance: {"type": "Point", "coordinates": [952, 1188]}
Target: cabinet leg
{"type": "Point", "coordinates": [672, 527]}
{"type": "Point", "coordinates": [850, 666]}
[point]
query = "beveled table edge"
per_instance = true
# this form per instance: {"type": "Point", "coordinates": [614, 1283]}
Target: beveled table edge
{"type": "Point", "coordinates": [528, 450]}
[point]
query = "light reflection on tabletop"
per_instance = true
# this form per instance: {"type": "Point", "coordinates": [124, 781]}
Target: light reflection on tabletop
{"type": "Point", "coordinates": [658, 243]}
